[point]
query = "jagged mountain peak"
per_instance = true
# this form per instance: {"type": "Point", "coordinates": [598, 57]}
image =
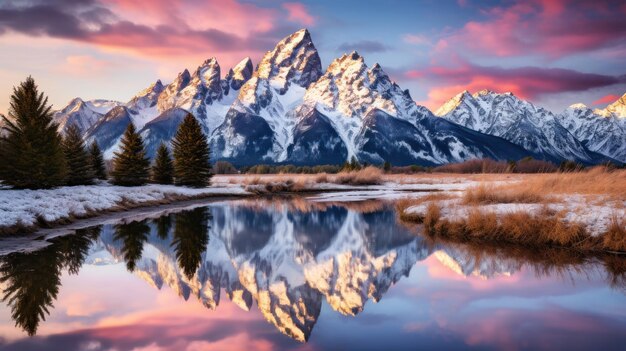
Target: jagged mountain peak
{"type": "Point", "coordinates": [617, 108]}
{"type": "Point", "coordinates": [239, 74]}
{"type": "Point", "coordinates": [520, 122]}
{"type": "Point", "coordinates": [154, 88]}
{"type": "Point", "coordinates": [294, 60]}
{"type": "Point", "coordinates": [453, 103]}
{"type": "Point", "coordinates": [578, 106]}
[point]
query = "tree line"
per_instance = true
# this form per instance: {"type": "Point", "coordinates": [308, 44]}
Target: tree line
{"type": "Point", "coordinates": [34, 155]}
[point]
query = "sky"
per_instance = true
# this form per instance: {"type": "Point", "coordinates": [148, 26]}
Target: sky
{"type": "Point", "coordinates": [551, 52]}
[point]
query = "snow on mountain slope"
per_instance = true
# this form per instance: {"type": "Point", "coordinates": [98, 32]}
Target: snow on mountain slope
{"type": "Point", "coordinates": [83, 114]}
{"type": "Point", "coordinates": [289, 111]}
{"type": "Point", "coordinates": [616, 109]}
{"type": "Point", "coordinates": [276, 87]}
{"type": "Point", "coordinates": [604, 133]}
{"type": "Point", "coordinates": [518, 121]}
{"type": "Point", "coordinates": [202, 93]}
{"type": "Point", "coordinates": [348, 91]}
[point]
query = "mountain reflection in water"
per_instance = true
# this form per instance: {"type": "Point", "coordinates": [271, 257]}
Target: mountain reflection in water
{"type": "Point", "coordinates": [286, 256]}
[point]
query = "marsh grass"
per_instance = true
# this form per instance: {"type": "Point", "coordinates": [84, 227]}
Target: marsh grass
{"type": "Point", "coordinates": [535, 230]}
{"type": "Point", "coordinates": [367, 176]}
{"type": "Point", "coordinates": [485, 194]}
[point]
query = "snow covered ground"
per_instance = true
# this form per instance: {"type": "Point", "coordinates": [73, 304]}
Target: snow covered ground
{"type": "Point", "coordinates": [27, 207]}
{"type": "Point", "coordinates": [594, 212]}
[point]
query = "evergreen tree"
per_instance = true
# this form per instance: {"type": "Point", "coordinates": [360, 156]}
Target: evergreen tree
{"type": "Point", "coordinates": [131, 167]}
{"type": "Point", "coordinates": [79, 167]}
{"type": "Point", "coordinates": [191, 154]}
{"type": "Point", "coordinates": [31, 152]}
{"type": "Point", "coordinates": [163, 169]}
{"type": "Point", "coordinates": [97, 161]}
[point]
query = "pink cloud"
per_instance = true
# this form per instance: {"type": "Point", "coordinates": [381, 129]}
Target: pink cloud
{"type": "Point", "coordinates": [416, 39]}
{"type": "Point", "coordinates": [606, 99]}
{"type": "Point", "coordinates": [553, 29]}
{"type": "Point", "coordinates": [526, 82]}
{"type": "Point", "coordinates": [297, 12]}
{"type": "Point", "coordinates": [158, 30]}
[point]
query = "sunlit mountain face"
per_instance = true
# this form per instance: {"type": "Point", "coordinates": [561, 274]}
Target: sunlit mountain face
{"type": "Point", "coordinates": [294, 274]}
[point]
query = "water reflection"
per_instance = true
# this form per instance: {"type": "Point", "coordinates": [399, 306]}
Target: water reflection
{"type": "Point", "coordinates": [31, 281]}
{"type": "Point", "coordinates": [287, 257]}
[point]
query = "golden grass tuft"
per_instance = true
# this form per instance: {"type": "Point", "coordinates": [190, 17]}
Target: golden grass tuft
{"type": "Point", "coordinates": [614, 239]}
{"type": "Point", "coordinates": [367, 176]}
{"type": "Point", "coordinates": [484, 194]}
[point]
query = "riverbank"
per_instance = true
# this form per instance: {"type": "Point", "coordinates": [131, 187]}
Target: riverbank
{"type": "Point", "coordinates": [584, 211]}
{"type": "Point", "coordinates": [24, 211]}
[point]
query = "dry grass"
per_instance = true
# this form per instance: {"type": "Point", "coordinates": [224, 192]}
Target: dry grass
{"type": "Point", "coordinates": [366, 176]}
{"type": "Point", "coordinates": [614, 239]}
{"type": "Point", "coordinates": [486, 194]}
{"type": "Point", "coordinates": [403, 204]}
{"type": "Point", "coordinates": [595, 181]}
{"type": "Point", "coordinates": [538, 230]}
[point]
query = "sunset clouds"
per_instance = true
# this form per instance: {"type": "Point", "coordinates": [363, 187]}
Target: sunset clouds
{"type": "Point", "coordinates": [525, 82]}
{"type": "Point", "coordinates": [538, 49]}
{"type": "Point", "coordinates": [524, 43]}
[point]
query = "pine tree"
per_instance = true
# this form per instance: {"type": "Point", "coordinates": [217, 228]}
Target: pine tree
{"type": "Point", "coordinates": [80, 171]}
{"type": "Point", "coordinates": [97, 161]}
{"type": "Point", "coordinates": [131, 167]}
{"type": "Point", "coordinates": [163, 169]}
{"type": "Point", "coordinates": [31, 152]}
{"type": "Point", "coordinates": [191, 154]}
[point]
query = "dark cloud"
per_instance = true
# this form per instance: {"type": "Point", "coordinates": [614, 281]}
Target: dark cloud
{"type": "Point", "coordinates": [366, 46]}
{"type": "Point", "coordinates": [89, 21]}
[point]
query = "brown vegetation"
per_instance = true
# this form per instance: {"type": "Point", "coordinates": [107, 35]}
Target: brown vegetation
{"type": "Point", "coordinates": [544, 229]}
{"type": "Point", "coordinates": [367, 176]}
{"type": "Point", "coordinates": [484, 194]}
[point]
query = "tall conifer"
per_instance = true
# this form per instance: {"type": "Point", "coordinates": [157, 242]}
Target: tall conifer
{"type": "Point", "coordinates": [97, 161]}
{"type": "Point", "coordinates": [191, 154]}
{"type": "Point", "coordinates": [31, 152]}
{"type": "Point", "coordinates": [80, 170]}
{"type": "Point", "coordinates": [131, 167]}
{"type": "Point", "coordinates": [163, 168]}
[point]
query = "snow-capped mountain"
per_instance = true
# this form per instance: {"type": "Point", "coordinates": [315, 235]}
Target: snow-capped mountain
{"type": "Point", "coordinates": [616, 109]}
{"type": "Point", "coordinates": [259, 124]}
{"type": "Point", "coordinates": [289, 110]}
{"type": "Point", "coordinates": [518, 121]}
{"type": "Point", "coordinates": [602, 131]}
{"type": "Point", "coordinates": [83, 114]}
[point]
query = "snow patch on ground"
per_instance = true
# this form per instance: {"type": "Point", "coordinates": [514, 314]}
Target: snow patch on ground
{"type": "Point", "coordinates": [595, 215]}
{"type": "Point", "coordinates": [26, 206]}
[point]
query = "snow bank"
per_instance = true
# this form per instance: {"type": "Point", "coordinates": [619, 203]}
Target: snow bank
{"type": "Point", "coordinates": [25, 207]}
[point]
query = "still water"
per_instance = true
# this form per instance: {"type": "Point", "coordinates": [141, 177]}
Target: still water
{"type": "Point", "coordinates": [294, 274]}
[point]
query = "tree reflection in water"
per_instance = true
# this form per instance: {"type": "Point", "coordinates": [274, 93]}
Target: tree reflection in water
{"type": "Point", "coordinates": [191, 236]}
{"type": "Point", "coordinates": [32, 280]}
{"type": "Point", "coordinates": [133, 235]}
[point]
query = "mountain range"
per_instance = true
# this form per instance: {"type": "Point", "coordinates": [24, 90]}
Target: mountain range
{"type": "Point", "coordinates": [290, 110]}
